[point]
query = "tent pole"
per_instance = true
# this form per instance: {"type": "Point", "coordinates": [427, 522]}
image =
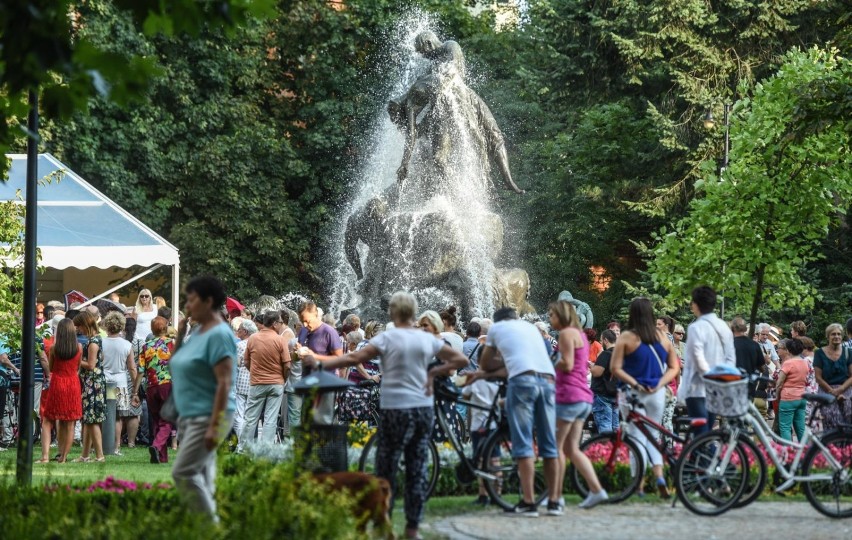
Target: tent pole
{"type": "Point", "coordinates": [175, 294]}
{"type": "Point", "coordinates": [28, 343]}
{"type": "Point", "coordinates": [120, 285]}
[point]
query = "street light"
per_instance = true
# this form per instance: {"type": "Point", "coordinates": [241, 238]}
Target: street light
{"type": "Point", "coordinates": [709, 121]}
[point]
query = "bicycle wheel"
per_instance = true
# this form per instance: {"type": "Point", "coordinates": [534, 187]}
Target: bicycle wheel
{"type": "Point", "coordinates": [497, 460]}
{"type": "Point", "coordinates": [703, 485]}
{"type": "Point", "coordinates": [367, 463]}
{"type": "Point", "coordinates": [830, 491]}
{"type": "Point", "coordinates": [618, 463]}
{"type": "Point", "coordinates": [756, 480]}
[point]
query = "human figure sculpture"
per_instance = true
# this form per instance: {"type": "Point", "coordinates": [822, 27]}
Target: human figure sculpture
{"type": "Point", "coordinates": [412, 230]}
{"type": "Point", "coordinates": [584, 311]}
{"type": "Point", "coordinates": [418, 114]}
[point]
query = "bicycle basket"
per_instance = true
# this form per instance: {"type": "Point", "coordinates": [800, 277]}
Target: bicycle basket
{"type": "Point", "coordinates": [727, 398]}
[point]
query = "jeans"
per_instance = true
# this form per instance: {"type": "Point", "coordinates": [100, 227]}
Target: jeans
{"type": "Point", "coordinates": [293, 404]}
{"type": "Point", "coordinates": [652, 406]}
{"type": "Point", "coordinates": [605, 411]}
{"type": "Point", "coordinates": [696, 407]}
{"type": "Point", "coordinates": [194, 471]}
{"type": "Point", "coordinates": [240, 414]}
{"type": "Point", "coordinates": [792, 413]}
{"type": "Point", "coordinates": [531, 402]}
{"type": "Point", "coordinates": [266, 398]}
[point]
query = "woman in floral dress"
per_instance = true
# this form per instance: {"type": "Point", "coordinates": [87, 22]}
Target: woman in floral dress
{"type": "Point", "coordinates": [93, 383]}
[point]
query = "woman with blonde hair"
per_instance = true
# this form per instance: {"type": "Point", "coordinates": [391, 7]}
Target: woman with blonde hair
{"type": "Point", "coordinates": [407, 413]}
{"type": "Point", "coordinates": [146, 310]}
{"type": "Point", "coordinates": [430, 321]}
{"type": "Point", "coordinates": [94, 386]}
{"type": "Point", "coordinates": [833, 371]}
{"type": "Point", "coordinates": [573, 403]}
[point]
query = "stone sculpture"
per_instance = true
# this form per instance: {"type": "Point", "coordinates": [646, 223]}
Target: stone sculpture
{"type": "Point", "coordinates": [450, 137]}
{"type": "Point", "coordinates": [584, 311]}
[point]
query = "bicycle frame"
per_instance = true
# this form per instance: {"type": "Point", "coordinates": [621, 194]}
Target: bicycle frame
{"type": "Point", "coordinates": [493, 416]}
{"type": "Point", "coordinates": [642, 422]}
{"type": "Point", "coordinates": [764, 432]}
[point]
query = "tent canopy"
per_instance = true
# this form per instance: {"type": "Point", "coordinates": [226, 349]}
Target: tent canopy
{"type": "Point", "coordinates": [80, 227]}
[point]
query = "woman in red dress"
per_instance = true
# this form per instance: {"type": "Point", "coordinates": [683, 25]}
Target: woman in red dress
{"type": "Point", "coordinates": [64, 401]}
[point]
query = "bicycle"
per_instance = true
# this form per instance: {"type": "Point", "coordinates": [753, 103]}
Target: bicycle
{"type": "Point", "coordinates": [619, 459]}
{"type": "Point", "coordinates": [492, 461]}
{"type": "Point", "coordinates": [825, 467]}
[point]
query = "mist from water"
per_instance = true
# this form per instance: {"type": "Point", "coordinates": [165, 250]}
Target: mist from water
{"type": "Point", "coordinates": [464, 199]}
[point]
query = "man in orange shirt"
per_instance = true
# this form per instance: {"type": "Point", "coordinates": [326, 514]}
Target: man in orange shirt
{"type": "Point", "coordinates": [268, 360]}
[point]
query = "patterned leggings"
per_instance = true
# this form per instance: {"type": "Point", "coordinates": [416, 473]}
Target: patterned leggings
{"type": "Point", "coordinates": [406, 433]}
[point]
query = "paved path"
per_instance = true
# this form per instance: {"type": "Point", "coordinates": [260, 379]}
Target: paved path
{"type": "Point", "coordinates": [775, 520]}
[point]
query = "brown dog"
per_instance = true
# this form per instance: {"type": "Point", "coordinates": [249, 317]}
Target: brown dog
{"type": "Point", "coordinates": [372, 498]}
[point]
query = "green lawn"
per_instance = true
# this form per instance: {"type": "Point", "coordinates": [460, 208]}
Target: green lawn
{"type": "Point", "coordinates": [133, 465]}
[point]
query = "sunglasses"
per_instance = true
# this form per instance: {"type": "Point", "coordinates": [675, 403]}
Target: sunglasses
{"type": "Point", "coordinates": [678, 333]}
{"type": "Point", "coordinates": [144, 296]}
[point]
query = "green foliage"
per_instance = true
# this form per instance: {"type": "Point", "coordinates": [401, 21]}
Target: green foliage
{"type": "Point", "coordinates": [256, 499]}
{"type": "Point", "coordinates": [39, 49]}
{"type": "Point", "coordinates": [754, 230]}
{"type": "Point", "coordinates": [11, 271]}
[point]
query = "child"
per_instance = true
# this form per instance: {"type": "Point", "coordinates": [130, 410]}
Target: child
{"type": "Point", "coordinates": [480, 392]}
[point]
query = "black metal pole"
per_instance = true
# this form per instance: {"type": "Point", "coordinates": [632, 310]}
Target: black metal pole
{"type": "Point", "coordinates": [727, 136]}
{"type": "Point", "coordinates": [25, 412]}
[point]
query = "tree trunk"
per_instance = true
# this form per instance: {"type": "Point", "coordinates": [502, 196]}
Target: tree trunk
{"type": "Point", "coordinates": [758, 295]}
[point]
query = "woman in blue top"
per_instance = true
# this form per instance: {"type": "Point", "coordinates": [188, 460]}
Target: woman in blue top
{"type": "Point", "coordinates": [644, 358]}
{"type": "Point", "coordinates": [201, 370]}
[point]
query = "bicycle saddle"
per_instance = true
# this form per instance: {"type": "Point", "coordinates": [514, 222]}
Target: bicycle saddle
{"type": "Point", "coordinates": [822, 399]}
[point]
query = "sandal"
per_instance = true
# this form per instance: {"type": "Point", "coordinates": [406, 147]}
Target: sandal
{"type": "Point", "coordinates": [100, 460]}
{"type": "Point", "coordinates": [82, 459]}
{"type": "Point", "coordinates": [42, 461]}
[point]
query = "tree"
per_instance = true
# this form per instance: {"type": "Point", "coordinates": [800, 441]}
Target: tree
{"type": "Point", "coordinates": [752, 232]}
{"type": "Point", "coordinates": [11, 275]}
{"type": "Point", "coordinates": [38, 49]}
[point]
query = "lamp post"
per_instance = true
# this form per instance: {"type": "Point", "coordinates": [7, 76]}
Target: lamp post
{"type": "Point", "coordinates": [25, 412]}
{"type": "Point", "coordinates": [710, 123]}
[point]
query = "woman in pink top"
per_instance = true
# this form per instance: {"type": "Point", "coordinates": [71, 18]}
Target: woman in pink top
{"type": "Point", "coordinates": [791, 386]}
{"type": "Point", "coordinates": [573, 402]}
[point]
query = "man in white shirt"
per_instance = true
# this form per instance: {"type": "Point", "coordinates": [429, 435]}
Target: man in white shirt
{"type": "Point", "coordinates": [764, 333]}
{"type": "Point", "coordinates": [530, 398]}
{"type": "Point", "coordinates": [710, 343]}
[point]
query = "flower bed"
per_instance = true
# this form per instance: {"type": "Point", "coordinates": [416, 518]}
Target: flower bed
{"type": "Point", "coordinates": [256, 498]}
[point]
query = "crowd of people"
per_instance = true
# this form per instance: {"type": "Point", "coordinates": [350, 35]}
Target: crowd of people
{"type": "Point", "coordinates": [221, 370]}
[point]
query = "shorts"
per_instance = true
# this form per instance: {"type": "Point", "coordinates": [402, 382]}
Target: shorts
{"type": "Point", "coordinates": [531, 401]}
{"type": "Point", "coordinates": [569, 412]}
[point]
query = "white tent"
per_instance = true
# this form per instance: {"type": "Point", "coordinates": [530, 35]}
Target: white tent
{"type": "Point", "coordinates": [80, 227]}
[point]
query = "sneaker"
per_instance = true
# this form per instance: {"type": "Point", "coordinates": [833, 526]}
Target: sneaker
{"type": "Point", "coordinates": [554, 508]}
{"type": "Point", "coordinates": [544, 502]}
{"type": "Point", "coordinates": [524, 510]}
{"type": "Point", "coordinates": [482, 500]}
{"type": "Point", "coordinates": [662, 489]}
{"type": "Point", "coordinates": [594, 499]}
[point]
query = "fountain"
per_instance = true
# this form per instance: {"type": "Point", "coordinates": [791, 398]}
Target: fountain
{"type": "Point", "coordinates": [424, 218]}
